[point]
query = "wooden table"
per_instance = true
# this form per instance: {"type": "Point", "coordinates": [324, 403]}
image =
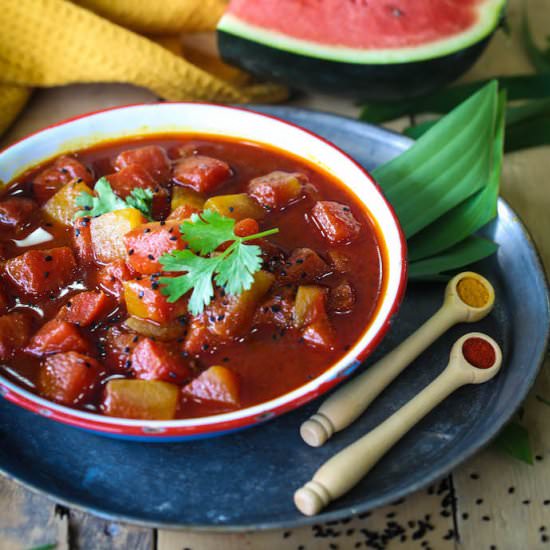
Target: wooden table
{"type": "Point", "coordinates": [490, 502]}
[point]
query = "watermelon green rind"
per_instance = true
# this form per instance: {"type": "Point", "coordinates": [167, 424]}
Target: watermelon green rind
{"type": "Point", "coordinates": [489, 16]}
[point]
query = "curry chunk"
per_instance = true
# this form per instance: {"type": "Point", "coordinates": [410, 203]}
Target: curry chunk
{"type": "Point", "coordinates": [62, 207]}
{"type": "Point", "coordinates": [183, 212]}
{"type": "Point", "coordinates": [144, 299]}
{"type": "Point", "coordinates": [227, 317]}
{"type": "Point", "coordinates": [320, 334]}
{"type": "Point", "coordinates": [141, 399]}
{"type": "Point", "coordinates": [15, 212]}
{"type": "Point", "coordinates": [152, 158]}
{"type": "Point", "coordinates": [40, 271]}
{"type": "Point", "coordinates": [183, 196]}
{"type": "Point", "coordinates": [57, 336]}
{"type": "Point", "coordinates": [15, 331]}
{"type": "Point", "coordinates": [156, 331]}
{"type": "Point", "coordinates": [335, 221]}
{"type": "Point", "coordinates": [147, 243]}
{"type": "Point", "coordinates": [119, 347]}
{"type": "Point", "coordinates": [310, 305]}
{"type": "Point", "coordinates": [108, 232]}
{"type": "Point", "coordinates": [153, 360]}
{"type": "Point", "coordinates": [68, 378]}
{"type": "Point", "coordinates": [82, 240]}
{"type": "Point", "coordinates": [303, 265]}
{"type": "Point", "coordinates": [217, 384]}
{"type": "Point", "coordinates": [111, 277]}
{"type": "Point", "coordinates": [238, 207]}
{"type": "Point", "coordinates": [64, 170]}
{"type": "Point", "coordinates": [341, 298]}
{"type": "Point", "coordinates": [277, 309]}
{"type": "Point", "coordinates": [277, 189]}
{"type": "Point", "coordinates": [200, 173]}
{"type": "Point", "coordinates": [85, 308]}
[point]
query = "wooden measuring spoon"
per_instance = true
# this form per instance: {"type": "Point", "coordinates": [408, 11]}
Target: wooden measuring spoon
{"type": "Point", "coordinates": [344, 470]}
{"type": "Point", "coordinates": [349, 402]}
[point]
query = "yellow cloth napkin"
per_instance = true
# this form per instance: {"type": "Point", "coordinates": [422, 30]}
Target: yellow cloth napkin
{"type": "Point", "coordinates": [56, 42]}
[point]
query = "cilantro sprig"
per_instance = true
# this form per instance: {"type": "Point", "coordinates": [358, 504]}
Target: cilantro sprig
{"type": "Point", "coordinates": [106, 201]}
{"type": "Point", "coordinates": [233, 269]}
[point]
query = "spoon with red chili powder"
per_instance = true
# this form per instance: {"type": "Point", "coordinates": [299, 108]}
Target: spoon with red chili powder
{"type": "Point", "coordinates": [468, 298]}
{"type": "Point", "coordinates": [475, 358]}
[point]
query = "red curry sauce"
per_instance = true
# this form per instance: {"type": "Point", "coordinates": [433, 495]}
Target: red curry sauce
{"type": "Point", "coordinates": [266, 357]}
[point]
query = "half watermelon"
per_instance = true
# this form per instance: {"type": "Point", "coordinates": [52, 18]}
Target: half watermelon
{"type": "Point", "coordinates": [366, 49]}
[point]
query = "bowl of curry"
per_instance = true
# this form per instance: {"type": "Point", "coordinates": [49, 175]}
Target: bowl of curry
{"type": "Point", "coordinates": [173, 271]}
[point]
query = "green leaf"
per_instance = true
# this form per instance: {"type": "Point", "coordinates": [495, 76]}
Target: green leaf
{"type": "Point", "coordinates": [232, 269]}
{"type": "Point", "coordinates": [45, 547]}
{"type": "Point", "coordinates": [236, 272]}
{"type": "Point", "coordinates": [469, 216]}
{"type": "Point", "coordinates": [468, 251]}
{"type": "Point", "coordinates": [514, 440]}
{"type": "Point", "coordinates": [206, 232]}
{"type": "Point", "coordinates": [104, 201]}
{"type": "Point", "coordinates": [142, 200]}
{"type": "Point", "coordinates": [540, 59]}
{"type": "Point", "coordinates": [448, 164]}
{"type": "Point", "coordinates": [517, 87]}
{"type": "Point", "coordinates": [198, 277]}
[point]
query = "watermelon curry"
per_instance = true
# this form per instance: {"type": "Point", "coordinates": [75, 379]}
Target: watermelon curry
{"type": "Point", "coordinates": [179, 276]}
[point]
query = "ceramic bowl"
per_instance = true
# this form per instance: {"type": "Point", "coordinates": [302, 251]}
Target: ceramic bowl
{"type": "Point", "coordinates": [216, 120]}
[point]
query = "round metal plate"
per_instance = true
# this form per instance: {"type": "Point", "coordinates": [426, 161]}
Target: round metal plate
{"type": "Point", "coordinates": [246, 480]}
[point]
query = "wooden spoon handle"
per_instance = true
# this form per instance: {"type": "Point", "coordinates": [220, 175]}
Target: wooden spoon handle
{"type": "Point", "coordinates": [350, 401]}
{"type": "Point", "coordinates": [344, 470]}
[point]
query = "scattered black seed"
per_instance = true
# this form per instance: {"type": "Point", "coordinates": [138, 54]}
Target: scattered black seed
{"type": "Point", "coordinates": [172, 374]}
{"type": "Point", "coordinates": [474, 476]}
{"type": "Point", "coordinates": [87, 365]}
{"type": "Point", "coordinates": [485, 518]}
{"type": "Point", "coordinates": [449, 535]}
{"type": "Point", "coordinates": [135, 339]}
{"type": "Point", "coordinates": [511, 490]}
{"type": "Point", "coordinates": [127, 349]}
{"type": "Point", "coordinates": [542, 528]}
{"type": "Point", "coordinates": [479, 501]}
{"type": "Point", "coordinates": [141, 293]}
{"type": "Point", "coordinates": [465, 515]}
{"type": "Point", "coordinates": [130, 252]}
{"type": "Point", "coordinates": [48, 258]}
{"type": "Point", "coordinates": [231, 209]}
{"type": "Point", "coordinates": [46, 274]}
{"type": "Point", "coordinates": [445, 513]}
{"type": "Point", "coordinates": [162, 222]}
{"type": "Point", "coordinates": [493, 547]}
{"type": "Point", "coordinates": [526, 501]}
{"type": "Point", "coordinates": [538, 457]}
{"type": "Point", "coordinates": [77, 232]}
{"type": "Point", "coordinates": [287, 534]}
{"type": "Point", "coordinates": [544, 538]}
{"type": "Point", "coordinates": [155, 285]}
{"type": "Point", "coordinates": [546, 502]}
{"type": "Point", "coordinates": [221, 316]}
{"type": "Point", "coordinates": [225, 359]}
{"type": "Point", "coordinates": [150, 256]}
{"type": "Point", "coordinates": [390, 515]}
{"type": "Point", "coordinates": [174, 238]}
{"type": "Point", "coordinates": [128, 363]}
{"type": "Point", "coordinates": [147, 230]}
{"type": "Point", "coordinates": [204, 347]}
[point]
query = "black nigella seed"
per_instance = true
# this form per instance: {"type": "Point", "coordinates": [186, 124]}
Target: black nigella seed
{"type": "Point", "coordinates": [205, 347]}
{"type": "Point", "coordinates": [286, 534]}
{"type": "Point", "coordinates": [48, 258]}
{"type": "Point", "coordinates": [546, 502]}
{"type": "Point", "coordinates": [173, 238]}
{"type": "Point", "coordinates": [128, 364]}
{"type": "Point", "coordinates": [527, 501]}
{"type": "Point", "coordinates": [544, 538]}
{"type": "Point", "coordinates": [485, 518]}
{"type": "Point", "coordinates": [172, 374]}
{"type": "Point", "coordinates": [130, 252]}
{"type": "Point", "coordinates": [474, 476]}
{"type": "Point", "coordinates": [299, 261]}
{"type": "Point", "coordinates": [231, 209]}
{"type": "Point", "coordinates": [225, 359]}
{"type": "Point", "coordinates": [511, 490]}
{"type": "Point", "coordinates": [465, 515]}
{"type": "Point", "coordinates": [141, 294]}
{"type": "Point", "coordinates": [538, 457]}
{"type": "Point", "coordinates": [154, 285]}
{"type": "Point", "coordinates": [479, 501]}
{"type": "Point", "coordinates": [162, 223]}
{"type": "Point", "coordinates": [126, 349]}
{"type": "Point", "coordinates": [221, 316]}
{"type": "Point", "coordinates": [46, 274]}
{"type": "Point", "coordinates": [77, 232]}
{"type": "Point", "coordinates": [135, 339]}
{"type": "Point", "coordinates": [150, 256]}
{"type": "Point", "coordinates": [147, 230]}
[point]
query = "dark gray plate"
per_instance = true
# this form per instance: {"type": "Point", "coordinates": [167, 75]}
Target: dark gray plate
{"type": "Point", "coordinates": [246, 480]}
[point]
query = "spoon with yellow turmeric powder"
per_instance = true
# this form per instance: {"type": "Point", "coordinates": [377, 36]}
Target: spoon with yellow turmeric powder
{"type": "Point", "coordinates": [469, 297]}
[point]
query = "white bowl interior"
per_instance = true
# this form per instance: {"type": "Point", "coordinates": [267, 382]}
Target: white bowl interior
{"type": "Point", "coordinates": [215, 120]}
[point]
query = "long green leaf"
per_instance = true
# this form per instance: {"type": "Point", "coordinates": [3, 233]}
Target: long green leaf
{"type": "Point", "coordinates": [539, 58]}
{"type": "Point", "coordinates": [471, 215]}
{"type": "Point", "coordinates": [514, 440]}
{"type": "Point", "coordinates": [531, 133]}
{"type": "Point", "coordinates": [445, 166]}
{"type": "Point", "coordinates": [464, 253]}
{"type": "Point", "coordinates": [517, 87]}
{"type": "Point", "coordinates": [514, 115]}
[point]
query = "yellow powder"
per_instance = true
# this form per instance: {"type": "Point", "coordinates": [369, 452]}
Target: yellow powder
{"type": "Point", "coordinates": [472, 292]}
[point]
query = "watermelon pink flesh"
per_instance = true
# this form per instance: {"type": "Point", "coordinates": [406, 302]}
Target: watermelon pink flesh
{"type": "Point", "coordinates": [365, 24]}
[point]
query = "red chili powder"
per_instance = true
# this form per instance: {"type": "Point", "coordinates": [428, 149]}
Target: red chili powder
{"type": "Point", "coordinates": [479, 353]}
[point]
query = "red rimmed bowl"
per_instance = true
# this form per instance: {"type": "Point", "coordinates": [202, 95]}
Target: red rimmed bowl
{"type": "Point", "coordinates": [215, 120]}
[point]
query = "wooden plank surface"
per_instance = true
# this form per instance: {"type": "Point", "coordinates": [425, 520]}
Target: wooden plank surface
{"type": "Point", "coordinates": [491, 501]}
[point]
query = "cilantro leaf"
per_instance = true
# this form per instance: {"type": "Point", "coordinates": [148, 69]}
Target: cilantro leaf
{"type": "Point", "coordinates": [104, 201]}
{"type": "Point", "coordinates": [232, 269]}
{"type": "Point", "coordinates": [142, 200]}
{"type": "Point", "coordinates": [198, 277]}
{"type": "Point", "coordinates": [236, 272]}
{"type": "Point", "coordinates": [206, 232]}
